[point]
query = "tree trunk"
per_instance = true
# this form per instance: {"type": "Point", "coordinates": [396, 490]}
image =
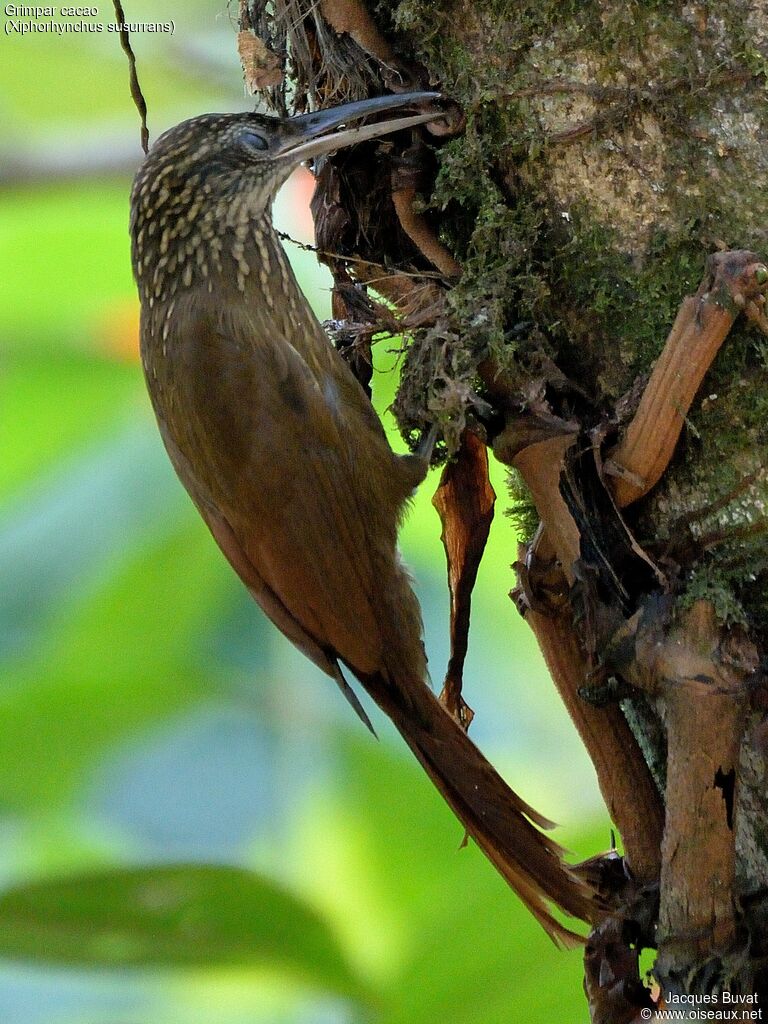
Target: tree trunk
{"type": "Point", "coordinates": [538, 260]}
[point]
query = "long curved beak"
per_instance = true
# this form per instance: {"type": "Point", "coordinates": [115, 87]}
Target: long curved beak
{"type": "Point", "coordinates": [324, 131]}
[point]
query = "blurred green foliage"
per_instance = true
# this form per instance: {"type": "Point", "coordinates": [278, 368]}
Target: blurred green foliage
{"type": "Point", "coordinates": [151, 719]}
{"type": "Point", "coordinates": [181, 916]}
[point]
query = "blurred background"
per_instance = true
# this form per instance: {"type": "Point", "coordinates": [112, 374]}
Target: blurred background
{"type": "Point", "coordinates": [157, 735]}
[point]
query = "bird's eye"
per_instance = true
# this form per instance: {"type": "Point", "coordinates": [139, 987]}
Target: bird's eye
{"type": "Point", "coordinates": [254, 141]}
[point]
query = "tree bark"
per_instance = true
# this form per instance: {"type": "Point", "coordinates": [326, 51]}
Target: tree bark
{"type": "Point", "coordinates": [538, 261]}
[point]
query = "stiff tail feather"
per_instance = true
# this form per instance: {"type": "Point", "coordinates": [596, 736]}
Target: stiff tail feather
{"type": "Point", "coordinates": [499, 821]}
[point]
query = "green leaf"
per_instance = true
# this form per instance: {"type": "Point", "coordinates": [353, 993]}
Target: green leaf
{"type": "Point", "coordinates": [170, 917]}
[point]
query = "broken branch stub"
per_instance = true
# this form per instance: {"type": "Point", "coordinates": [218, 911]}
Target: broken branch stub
{"type": "Point", "coordinates": [734, 282]}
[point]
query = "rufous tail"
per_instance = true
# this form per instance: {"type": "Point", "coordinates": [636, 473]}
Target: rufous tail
{"type": "Point", "coordinates": [500, 822]}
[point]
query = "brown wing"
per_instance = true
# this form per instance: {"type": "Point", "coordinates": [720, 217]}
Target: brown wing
{"type": "Point", "coordinates": [268, 601]}
{"type": "Point", "coordinates": [263, 446]}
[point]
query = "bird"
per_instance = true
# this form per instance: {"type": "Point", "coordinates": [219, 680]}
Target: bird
{"type": "Point", "coordinates": [285, 458]}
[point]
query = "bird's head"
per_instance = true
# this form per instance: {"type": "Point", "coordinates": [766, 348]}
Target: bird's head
{"type": "Point", "coordinates": [221, 171]}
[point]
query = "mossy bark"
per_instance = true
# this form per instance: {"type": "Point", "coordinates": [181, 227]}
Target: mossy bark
{"type": "Point", "coordinates": [609, 148]}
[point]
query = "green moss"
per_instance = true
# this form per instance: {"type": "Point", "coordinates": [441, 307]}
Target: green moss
{"type": "Point", "coordinates": [596, 298]}
{"type": "Point", "coordinates": [756, 60]}
{"type": "Point", "coordinates": [610, 315]}
{"type": "Point", "coordinates": [650, 735]}
{"type": "Point", "coordinates": [438, 385]}
{"type": "Point", "coordinates": [522, 512]}
{"type": "Point", "coordinates": [507, 32]}
{"type": "Point", "coordinates": [490, 312]}
{"type": "Point", "coordinates": [428, 27]}
{"type": "Point", "coordinates": [500, 286]}
{"type": "Point", "coordinates": [710, 506]}
{"type": "Point", "coordinates": [706, 584]}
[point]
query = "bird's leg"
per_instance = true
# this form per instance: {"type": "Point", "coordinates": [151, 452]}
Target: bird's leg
{"type": "Point", "coordinates": [415, 465]}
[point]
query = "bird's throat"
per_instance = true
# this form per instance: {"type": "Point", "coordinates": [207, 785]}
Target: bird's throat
{"type": "Point", "coordinates": [211, 245]}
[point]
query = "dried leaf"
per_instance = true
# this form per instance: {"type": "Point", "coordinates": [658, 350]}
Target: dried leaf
{"type": "Point", "coordinates": [465, 501]}
{"type": "Point", "coordinates": [262, 67]}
